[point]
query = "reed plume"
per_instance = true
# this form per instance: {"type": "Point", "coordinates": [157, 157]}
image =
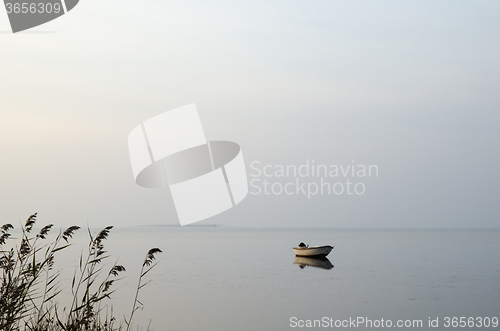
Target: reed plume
{"type": "Point", "coordinates": [30, 287]}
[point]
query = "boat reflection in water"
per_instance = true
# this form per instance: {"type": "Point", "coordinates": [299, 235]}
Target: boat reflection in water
{"type": "Point", "coordinates": [318, 262]}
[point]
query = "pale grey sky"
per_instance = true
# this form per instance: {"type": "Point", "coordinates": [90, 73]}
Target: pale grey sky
{"type": "Point", "coordinates": [409, 86]}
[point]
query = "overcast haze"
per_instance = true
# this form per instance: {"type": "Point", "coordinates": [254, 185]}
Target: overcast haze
{"type": "Point", "coordinates": [411, 86]}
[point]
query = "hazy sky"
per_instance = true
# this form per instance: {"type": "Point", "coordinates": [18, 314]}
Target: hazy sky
{"type": "Point", "coordinates": [411, 86]}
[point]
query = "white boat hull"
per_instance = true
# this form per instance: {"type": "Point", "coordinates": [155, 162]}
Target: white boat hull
{"type": "Point", "coordinates": [313, 251]}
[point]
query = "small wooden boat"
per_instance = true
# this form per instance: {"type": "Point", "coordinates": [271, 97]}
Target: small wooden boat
{"type": "Point", "coordinates": [313, 251]}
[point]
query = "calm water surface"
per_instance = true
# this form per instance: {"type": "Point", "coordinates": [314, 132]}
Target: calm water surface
{"type": "Point", "coordinates": [224, 278]}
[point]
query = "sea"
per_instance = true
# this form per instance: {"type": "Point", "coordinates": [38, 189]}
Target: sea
{"type": "Point", "coordinates": [226, 278]}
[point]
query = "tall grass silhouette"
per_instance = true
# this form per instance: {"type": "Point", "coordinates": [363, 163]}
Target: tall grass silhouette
{"type": "Point", "coordinates": [30, 288]}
